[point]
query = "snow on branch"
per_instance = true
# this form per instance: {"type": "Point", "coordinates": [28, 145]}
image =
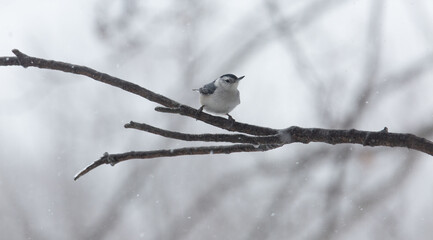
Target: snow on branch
{"type": "Point", "coordinates": [250, 138]}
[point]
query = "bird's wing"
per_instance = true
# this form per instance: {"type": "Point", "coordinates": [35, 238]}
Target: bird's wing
{"type": "Point", "coordinates": [208, 88]}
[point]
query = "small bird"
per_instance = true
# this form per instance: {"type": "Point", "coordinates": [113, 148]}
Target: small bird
{"type": "Point", "coordinates": [220, 96]}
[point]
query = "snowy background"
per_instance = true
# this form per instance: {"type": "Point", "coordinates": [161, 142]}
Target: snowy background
{"type": "Point", "coordinates": [362, 64]}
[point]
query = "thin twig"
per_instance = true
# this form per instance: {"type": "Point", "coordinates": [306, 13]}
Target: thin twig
{"type": "Point", "coordinates": [233, 138]}
{"type": "Point", "coordinates": [113, 159]}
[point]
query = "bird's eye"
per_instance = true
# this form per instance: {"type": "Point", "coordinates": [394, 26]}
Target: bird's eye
{"type": "Point", "coordinates": [227, 81]}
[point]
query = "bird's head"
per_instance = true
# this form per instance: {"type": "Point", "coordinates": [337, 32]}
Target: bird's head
{"type": "Point", "coordinates": [229, 81]}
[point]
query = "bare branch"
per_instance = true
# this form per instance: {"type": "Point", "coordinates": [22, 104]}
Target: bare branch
{"type": "Point", "coordinates": [113, 159]}
{"type": "Point", "coordinates": [24, 60]}
{"type": "Point", "coordinates": [262, 139]}
{"type": "Point", "coordinates": [289, 135]}
{"type": "Point", "coordinates": [233, 138]}
{"type": "Point", "coordinates": [365, 138]}
{"type": "Point", "coordinates": [28, 61]}
{"type": "Point", "coordinates": [219, 121]}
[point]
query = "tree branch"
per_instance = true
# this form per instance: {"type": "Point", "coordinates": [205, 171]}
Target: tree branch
{"type": "Point", "coordinates": [113, 159]}
{"type": "Point", "coordinates": [24, 60]}
{"type": "Point", "coordinates": [233, 138]}
{"type": "Point", "coordinates": [258, 138]}
{"type": "Point", "coordinates": [365, 138]}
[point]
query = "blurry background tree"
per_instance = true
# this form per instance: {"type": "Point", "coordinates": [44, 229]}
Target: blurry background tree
{"type": "Point", "coordinates": [316, 63]}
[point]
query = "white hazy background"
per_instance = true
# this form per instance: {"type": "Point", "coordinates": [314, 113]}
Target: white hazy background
{"type": "Point", "coordinates": [362, 64]}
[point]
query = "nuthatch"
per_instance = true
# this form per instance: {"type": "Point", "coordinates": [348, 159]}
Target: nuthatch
{"type": "Point", "coordinates": [220, 96]}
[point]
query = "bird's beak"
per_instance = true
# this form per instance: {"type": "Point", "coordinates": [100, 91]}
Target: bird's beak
{"type": "Point", "coordinates": [239, 78]}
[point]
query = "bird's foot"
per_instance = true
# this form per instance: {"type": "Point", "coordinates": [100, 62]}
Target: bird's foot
{"type": "Point", "coordinates": [198, 112]}
{"type": "Point", "coordinates": [231, 119]}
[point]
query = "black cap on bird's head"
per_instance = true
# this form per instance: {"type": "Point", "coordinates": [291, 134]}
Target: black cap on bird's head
{"type": "Point", "coordinates": [231, 77]}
